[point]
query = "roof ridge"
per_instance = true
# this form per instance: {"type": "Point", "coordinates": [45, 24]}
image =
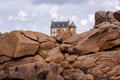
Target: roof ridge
{"type": "Point", "coordinates": [62, 24]}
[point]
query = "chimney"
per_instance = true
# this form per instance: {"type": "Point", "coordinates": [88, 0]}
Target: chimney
{"type": "Point", "coordinates": [52, 21]}
{"type": "Point", "coordinates": [68, 23]}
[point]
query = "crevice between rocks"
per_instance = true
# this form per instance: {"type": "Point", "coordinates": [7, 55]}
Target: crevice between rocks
{"type": "Point", "coordinates": [22, 33]}
{"type": "Point", "coordinates": [6, 60]}
{"type": "Point", "coordinates": [12, 79]}
{"type": "Point", "coordinates": [34, 39]}
{"type": "Point", "coordinates": [15, 60]}
{"type": "Point", "coordinates": [113, 48]}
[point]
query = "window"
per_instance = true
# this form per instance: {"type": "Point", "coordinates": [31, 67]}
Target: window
{"type": "Point", "coordinates": [54, 29]}
{"type": "Point", "coordinates": [64, 29]}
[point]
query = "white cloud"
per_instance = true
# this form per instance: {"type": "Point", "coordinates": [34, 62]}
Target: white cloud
{"type": "Point", "coordinates": [88, 20]}
{"type": "Point", "coordinates": [91, 2]}
{"type": "Point", "coordinates": [10, 18]}
{"type": "Point", "coordinates": [62, 17]}
{"type": "Point", "coordinates": [22, 16]}
{"type": "Point", "coordinates": [84, 22]}
{"type": "Point", "coordinates": [53, 12]}
{"type": "Point", "coordinates": [74, 18]}
{"type": "Point", "coordinates": [117, 7]}
{"type": "Point", "coordinates": [91, 18]}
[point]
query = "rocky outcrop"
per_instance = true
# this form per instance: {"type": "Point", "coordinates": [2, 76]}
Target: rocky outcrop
{"type": "Point", "coordinates": [92, 55]}
{"type": "Point", "coordinates": [100, 65]}
{"type": "Point", "coordinates": [103, 37]}
{"type": "Point", "coordinates": [24, 43]}
{"type": "Point", "coordinates": [99, 40]}
{"type": "Point", "coordinates": [106, 17]}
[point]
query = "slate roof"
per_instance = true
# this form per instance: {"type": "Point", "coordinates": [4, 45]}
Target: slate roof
{"type": "Point", "coordinates": [63, 24]}
{"type": "Point", "coordinates": [72, 24]}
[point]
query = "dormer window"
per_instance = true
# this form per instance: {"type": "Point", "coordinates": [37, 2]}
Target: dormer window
{"type": "Point", "coordinates": [53, 25]}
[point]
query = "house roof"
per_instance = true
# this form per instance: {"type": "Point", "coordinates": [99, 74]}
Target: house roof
{"type": "Point", "coordinates": [63, 24]}
{"type": "Point", "coordinates": [72, 24]}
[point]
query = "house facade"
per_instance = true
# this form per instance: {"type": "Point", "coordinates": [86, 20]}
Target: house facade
{"type": "Point", "coordinates": [58, 27]}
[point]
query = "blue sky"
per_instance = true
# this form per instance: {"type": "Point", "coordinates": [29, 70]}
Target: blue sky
{"type": "Point", "coordinates": [36, 15]}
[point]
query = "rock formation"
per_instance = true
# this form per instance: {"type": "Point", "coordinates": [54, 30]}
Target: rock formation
{"type": "Point", "coordinates": [92, 55]}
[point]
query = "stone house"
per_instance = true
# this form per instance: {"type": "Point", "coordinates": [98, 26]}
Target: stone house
{"type": "Point", "coordinates": [58, 27]}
